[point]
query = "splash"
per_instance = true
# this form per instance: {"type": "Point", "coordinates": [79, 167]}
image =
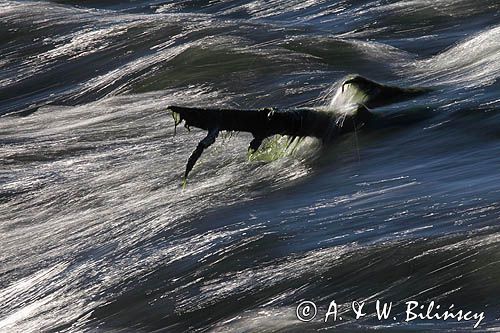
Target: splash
{"type": "Point", "coordinates": [340, 99]}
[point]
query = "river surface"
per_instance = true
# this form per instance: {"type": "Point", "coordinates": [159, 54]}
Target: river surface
{"type": "Point", "coordinates": [98, 235]}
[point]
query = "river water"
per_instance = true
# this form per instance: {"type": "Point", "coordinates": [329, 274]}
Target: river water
{"type": "Point", "coordinates": [97, 234]}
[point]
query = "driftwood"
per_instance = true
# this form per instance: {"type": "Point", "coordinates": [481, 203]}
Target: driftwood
{"type": "Point", "coordinates": [263, 123]}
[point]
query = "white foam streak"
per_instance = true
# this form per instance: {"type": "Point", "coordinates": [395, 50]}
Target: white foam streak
{"type": "Point", "coordinates": [470, 63]}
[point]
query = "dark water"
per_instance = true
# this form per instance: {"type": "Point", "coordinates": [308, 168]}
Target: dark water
{"type": "Point", "coordinates": [98, 236]}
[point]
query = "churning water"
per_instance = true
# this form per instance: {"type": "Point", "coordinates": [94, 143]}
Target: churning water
{"type": "Point", "coordinates": [97, 234]}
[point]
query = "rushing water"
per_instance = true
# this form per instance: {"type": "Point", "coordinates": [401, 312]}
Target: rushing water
{"type": "Point", "coordinates": [97, 234]}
